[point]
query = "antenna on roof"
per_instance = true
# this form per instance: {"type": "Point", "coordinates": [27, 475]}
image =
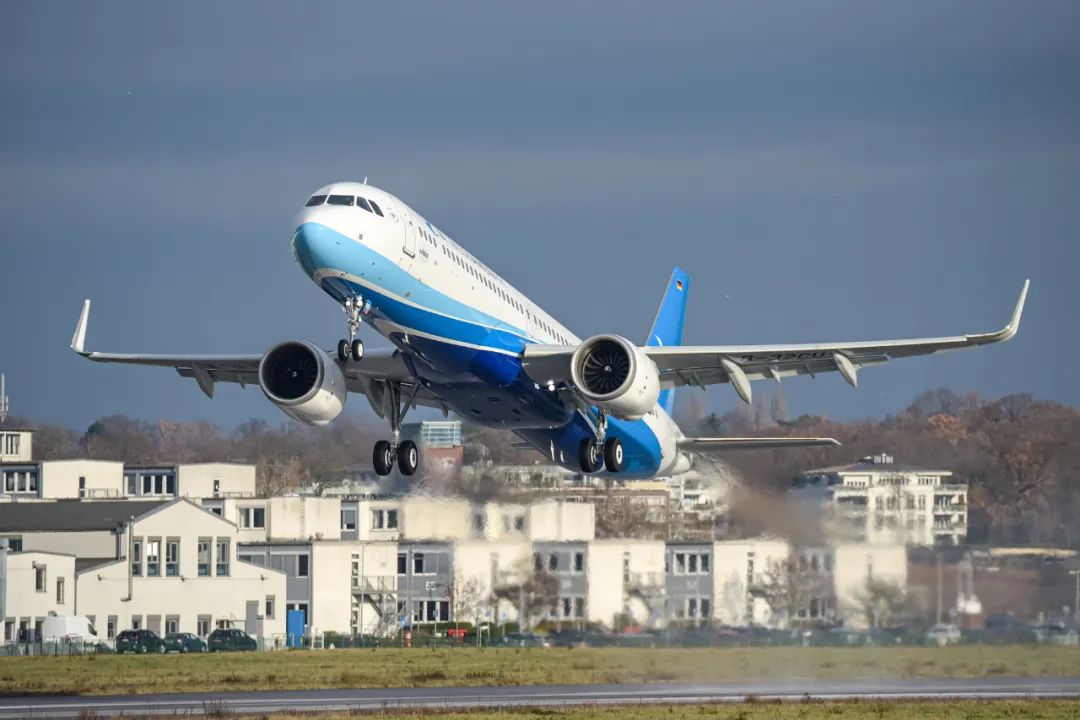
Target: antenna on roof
{"type": "Point", "coordinates": [5, 404]}
{"type": "Point", "coordinates": [365, 179]}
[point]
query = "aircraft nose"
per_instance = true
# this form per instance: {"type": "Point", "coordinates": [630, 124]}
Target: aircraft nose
{"type": "Point", "coordinates": [311, 246]}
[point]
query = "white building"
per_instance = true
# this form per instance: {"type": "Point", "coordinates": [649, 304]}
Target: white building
{"type": "Point", "coordinates": [109, 480]}
{"type": "Point", "coordinates": [877, 500]}
{"type": "Point", "coordinates": [168, 566]}
{"type": "Point", "coordinates": [32, 585]}
{"type": "Point", "coordinates": [16, 445]}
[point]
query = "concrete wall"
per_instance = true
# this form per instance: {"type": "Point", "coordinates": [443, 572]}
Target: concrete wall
{"type": "Point", "coordinates": [736, 561]}
{"type": "Point", "coordinates": [854, 566]}
{"type": "Point", "coordinates": [305, 518]}
{"type": "Point", "coordinates": [102, 590]}
{"type": "Point", "coordinates": [22, 602]}
{"type": "Point", "coordinates": [481, 566]}
{"type": "Point", "coordinates": [60, 478]}
{"type": "Point", "coordinates": [196, 480]}
{"type": "Point", "coordinates": [561, 521]}
{"type": "Point", "coordinates": [24, 440]}
{"type": "Point", "coordinates": [429, 518]}
{"type": "Point", "coordinates": [616, 564]}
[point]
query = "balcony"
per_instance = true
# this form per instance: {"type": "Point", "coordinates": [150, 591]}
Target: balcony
{"type": "Point", "coordinates": [951, 488]}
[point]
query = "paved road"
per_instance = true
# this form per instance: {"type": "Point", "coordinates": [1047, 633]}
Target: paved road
{"type": "Point", "coordinates": [540, 695]}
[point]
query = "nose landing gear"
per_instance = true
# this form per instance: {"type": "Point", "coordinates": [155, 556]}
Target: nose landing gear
{"type": "Point", "coordinates": [353, 348]}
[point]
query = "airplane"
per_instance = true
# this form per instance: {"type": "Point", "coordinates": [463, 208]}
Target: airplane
{"type": "Point", "coordinates": [466, 341]}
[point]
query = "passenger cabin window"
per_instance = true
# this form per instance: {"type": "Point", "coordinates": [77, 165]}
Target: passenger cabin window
{"type": "Point", "coordinates": [316, 200]}
{"type": "Point", "coordinates": [340, 200]}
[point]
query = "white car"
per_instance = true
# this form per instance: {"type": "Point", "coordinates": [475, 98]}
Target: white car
{"type": "Point", "coordinates": [943, 634]}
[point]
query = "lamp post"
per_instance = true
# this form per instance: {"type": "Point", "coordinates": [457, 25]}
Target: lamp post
{"type": "Point", "coordinates": [1076, 598]}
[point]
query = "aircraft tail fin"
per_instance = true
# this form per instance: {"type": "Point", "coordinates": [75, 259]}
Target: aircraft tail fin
{"type": "Point", "coordinates": [667, 327]}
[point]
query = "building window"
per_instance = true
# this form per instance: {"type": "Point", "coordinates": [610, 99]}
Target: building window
{"type": "Point", "coordinates": [202, 626]}
{"type": "Point", "coordinates": [402, 564]}
{"type": "Point", "coordinates": [217, 488]}
{"type": "Point", "coordinates": [479, 522]}
{"type": "Point", "coordinates": [418, 564]}
{"type": "Point", "coordinates": [269, 613]}
{"type": "Point", "coordinates": [172, 557]}
{"type": "Point", "coordinates": [132, 483]}
{"type": "Point", "coordinates": [204, 556]}
{"type": "Point", "coordinates": [302, 569]}
{"type": "Point", "coordinates": [222, 557]}
{"type": "Point", "coordinates": [136, 622]}
{"type": "Point", "coordinates": [172, 624]}
{"type": "Point", "coordinates": [82, 486]}
{"type": "Point", "coordinates": [579, 562]}
{"type": "Point", "coordinates": [59, 591]}
{"type": "Point", "coordinates": [384, 519]}
{"type": "Point", "coordinates": [14, 543]}
{"type": "Point", "coordinates": [553, 562]}
{"type": "Point", "coordinates": [252, 517]}
{"type": "Point", "coordinates": [136, 557]}
{"type": "Point", "coordinates": [704, 563]}
{"type": "Point", "coordinates": [153, 557]}
{"type": "Point", "coordinates": [348, 519]}
{"type": "Point", "coordinates": [110, 627]}
{"type": "Point", "coordinates": [39, 578]}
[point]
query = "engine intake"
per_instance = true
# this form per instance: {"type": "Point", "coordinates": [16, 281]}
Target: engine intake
{"type": "Point", "coordinates": [617, 375]}
{"type": "Point", "coordinates": [303, 381]}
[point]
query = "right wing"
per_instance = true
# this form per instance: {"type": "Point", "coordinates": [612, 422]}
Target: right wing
{"type": "Point", "coordinates": [367, 377]}
{"type": "Point", "coordinates": [740, 364]}
{"type": "Point", "coordinates": [721, 444]}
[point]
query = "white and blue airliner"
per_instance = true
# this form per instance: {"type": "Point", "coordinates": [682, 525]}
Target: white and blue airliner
{"type": "Point", "coordinates": [465, 341]}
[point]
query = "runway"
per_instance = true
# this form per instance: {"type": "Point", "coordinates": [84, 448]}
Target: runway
{"type": "Point", "coordinates": [539, 695]}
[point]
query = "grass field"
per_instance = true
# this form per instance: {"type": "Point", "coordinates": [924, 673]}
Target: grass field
{"type": "Point", "coordinates": [998, 710]}
{"type": "Point", "coordinates": [311, 669]}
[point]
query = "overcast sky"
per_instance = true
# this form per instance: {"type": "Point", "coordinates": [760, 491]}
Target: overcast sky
{"type": "Point", "coordinates": [826, 171]}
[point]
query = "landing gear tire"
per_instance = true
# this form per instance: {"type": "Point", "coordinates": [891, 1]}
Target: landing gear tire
{"type": "Point", "coordinates": [357, 348]}
{"type": "Point", "coordinates": [408, 457]}
{"type": "Point", "coordinates": [590, 456]}
{"type": "Point", "coordinates": [383, 458]}
{"type": "Point", "coordinates": [343, 350]}
{"type": "Point", "coordinates": [613, 454]}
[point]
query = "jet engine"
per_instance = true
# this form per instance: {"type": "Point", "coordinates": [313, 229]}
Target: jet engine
{"type": "Point", "coordinates": [303, 381]}
{"type": "Point", "coordinates": [616, 375]}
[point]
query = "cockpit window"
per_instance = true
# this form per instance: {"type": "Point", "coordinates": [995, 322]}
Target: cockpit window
{"type": "Point", "coordinates": [376, 208]}
{"type": "Point", "coordinates": [340, 200]}
{"type": "Point", "coordinates": [361, 202]}
{"type": "Point", "coordinates": [316, 200]}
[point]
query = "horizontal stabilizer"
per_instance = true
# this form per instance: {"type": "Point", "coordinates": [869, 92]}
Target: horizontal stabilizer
{"type": "Point", "coordinates": [722, 444]}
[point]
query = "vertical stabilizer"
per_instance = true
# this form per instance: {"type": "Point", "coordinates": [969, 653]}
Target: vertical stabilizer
{"type": "Point", "coordinates": [667, 328]}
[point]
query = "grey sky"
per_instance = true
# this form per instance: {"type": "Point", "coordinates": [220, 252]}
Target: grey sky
{"type": "Point", "coordinates": [826, 171]}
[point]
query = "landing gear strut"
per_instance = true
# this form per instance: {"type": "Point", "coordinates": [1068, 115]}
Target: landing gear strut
{"type": "Point", "coordinates": [352, 348]}
{"type": "Point", "coordinates": [603, 451]}
{"type": "Point", "coordinates": [404, 452]}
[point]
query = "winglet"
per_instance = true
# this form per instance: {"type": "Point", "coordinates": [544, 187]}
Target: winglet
{"type": "Point", "coordinates": [78, 340]}
{"type": "Point", "coordinates": [1009, 330]}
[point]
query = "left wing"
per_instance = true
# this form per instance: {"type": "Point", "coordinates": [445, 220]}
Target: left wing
{"type": "Point", "coordinates": [367, 377]}
{"type": "Point", "coordinates": [740, 364]}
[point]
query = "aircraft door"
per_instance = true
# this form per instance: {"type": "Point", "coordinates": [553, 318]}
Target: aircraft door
{"type": "Point", "coordinates": [410, 236]}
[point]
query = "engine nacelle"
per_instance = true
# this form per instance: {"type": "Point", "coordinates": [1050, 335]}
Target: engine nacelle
{"type": "Point", "coordinates": [617, 375]}
{"type": "Point", "coordinates": [303, 381]}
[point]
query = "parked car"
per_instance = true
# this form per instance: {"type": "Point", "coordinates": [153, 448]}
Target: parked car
{"type": "Point", "coordinates": [184, 643]}
{"type": "Point", "coordinates": [231, 640]}
{"type": "Point", "coordinates": [523, 640]}
{"type": "Point", "coordinates": [139, 641]}
{"type": "Point", "coordinates": [943, 634]}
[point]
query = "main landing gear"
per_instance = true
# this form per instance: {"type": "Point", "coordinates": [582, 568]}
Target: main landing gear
{"type": "Point", "coordinates": [602, 451]}
{"type": "Point", "coordinates": [353, 348]}
{"type": "Point", "coordinates": [404, 452]}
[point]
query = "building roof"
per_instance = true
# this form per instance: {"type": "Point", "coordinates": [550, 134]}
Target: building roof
{"type": "Point", "coordinates": [72, 515]}
{"type": "Point", "coordinates": [876, 464]}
